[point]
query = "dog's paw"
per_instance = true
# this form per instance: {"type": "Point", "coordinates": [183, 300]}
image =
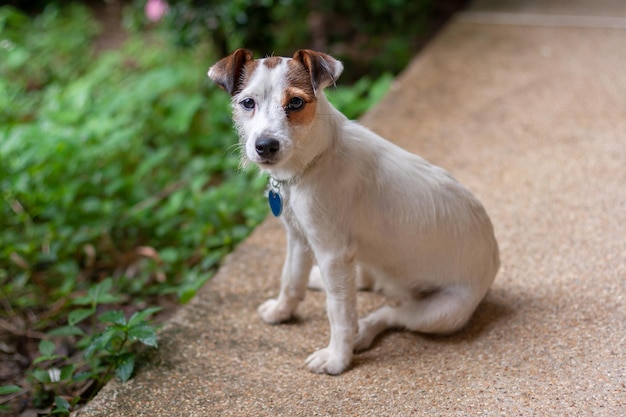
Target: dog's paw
{"type": "Point", "coordinates": [273, 312]}
{"type": "Point", "coordinates": [364, 337]}
{"type": "Point", "coordinates": [326, 361]}
{"type": "Point", "coordinates": [363, 341]}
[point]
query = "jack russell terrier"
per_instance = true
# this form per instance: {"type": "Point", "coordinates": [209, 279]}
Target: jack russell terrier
{"type": "Point", "coordinates": [368, 214]}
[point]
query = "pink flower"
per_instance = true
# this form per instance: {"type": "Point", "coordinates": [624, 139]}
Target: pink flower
{"type": "Point", "coordinates": [156, 9]}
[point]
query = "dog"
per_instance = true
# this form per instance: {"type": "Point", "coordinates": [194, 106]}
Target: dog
{"type": "Point", "coordinates": [359, 211]}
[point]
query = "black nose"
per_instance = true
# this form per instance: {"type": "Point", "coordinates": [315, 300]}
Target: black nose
{"type": "Point", "coordinates": [266, 147]}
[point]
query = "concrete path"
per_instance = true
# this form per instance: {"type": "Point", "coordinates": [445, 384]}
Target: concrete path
{"type": "Point", "coordinates": [525, 103]}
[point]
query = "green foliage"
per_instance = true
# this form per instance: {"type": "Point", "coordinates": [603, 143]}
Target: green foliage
{"type": "Point", "coordinates": [229, 24]}
{"type": "Point", "coordinates": [355, 100]}
{"type": "Point", "coordinates": [6, 390]}
{"type": "Point", "coordinates": [372, 37]}
{"type": "Point", "coordinates": [29, 61]}
{"type": "Point", "coordinates": [119, 182]}
{"type": "Point", "coordinates": [128, 162]}
{"type": "Point", "coordinates": [108, 350]}
{"type": "Point", "coordinates": [9, 389]}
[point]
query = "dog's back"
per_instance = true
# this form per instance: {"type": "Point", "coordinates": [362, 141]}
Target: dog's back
{"type": "Point", "coordinates": [411, 221]}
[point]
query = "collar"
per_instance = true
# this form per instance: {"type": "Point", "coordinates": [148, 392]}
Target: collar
{"type": "Point", "coordinates": [276, 183]}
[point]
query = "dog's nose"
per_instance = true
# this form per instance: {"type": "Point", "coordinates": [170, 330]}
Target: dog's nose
{"type": "Point", "coordinates": [266, 147]}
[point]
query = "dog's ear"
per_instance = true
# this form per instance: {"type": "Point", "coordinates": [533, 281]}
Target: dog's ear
{"type": "Point", "coordinates": [323, 69]}
{"type": "Point", "coordinates": [227, 72]}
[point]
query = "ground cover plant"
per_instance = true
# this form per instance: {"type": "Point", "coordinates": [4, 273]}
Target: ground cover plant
{"type": "Point", "coordinates": [120, 192]}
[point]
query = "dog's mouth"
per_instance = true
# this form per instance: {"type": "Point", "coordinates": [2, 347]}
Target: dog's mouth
{"type": "Point", "coordinates": [265, 162]}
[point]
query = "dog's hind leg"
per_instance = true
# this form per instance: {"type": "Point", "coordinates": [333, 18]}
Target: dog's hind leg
{"type": "Point", "coordinates": [440, 311]}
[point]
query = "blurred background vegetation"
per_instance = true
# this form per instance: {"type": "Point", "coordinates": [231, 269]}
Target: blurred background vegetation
{"type": "Point", "coordinates": [120, 183]}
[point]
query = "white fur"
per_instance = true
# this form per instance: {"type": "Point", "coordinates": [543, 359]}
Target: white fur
{"type": "Point", "coordinates": [366, 211]}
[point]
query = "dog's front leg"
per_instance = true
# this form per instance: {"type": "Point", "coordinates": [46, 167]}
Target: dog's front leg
{"type": "Point", "coordinates": [338, 274]}
{"type": "Point", "coordinates": [294, 278]}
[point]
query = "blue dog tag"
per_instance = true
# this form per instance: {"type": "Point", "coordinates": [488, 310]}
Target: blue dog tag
{"type": "Point", "coordinates": [276, 202]}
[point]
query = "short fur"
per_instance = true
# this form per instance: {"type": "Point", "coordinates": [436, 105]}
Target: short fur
{"type": "Point", "coordinates": [366, 212]}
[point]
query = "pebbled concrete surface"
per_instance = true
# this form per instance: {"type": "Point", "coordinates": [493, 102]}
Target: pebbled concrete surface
{"type": "Point", "coordinates": [532, 118]}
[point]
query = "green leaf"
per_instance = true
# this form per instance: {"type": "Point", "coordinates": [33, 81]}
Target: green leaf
{"type": "Point", "coordinates": [169, 255]}
{"type": "Point", "coordinates": [113, 316]}
{"type": "Point", "coordinates": [41, 375]}
{"type": "Point", "coordinates": [100, 341]}
{"type": "Point", "coordinates": [186, 294]}
{"type": "Point", "coordinates": [82, 301]}
{"type": "Point", "coordinates": [82, 376]}
{"type": "Point", "coordinates": [46, 348]}
{"type": "Point", "coordinates": [380, 87]}
{"type": "Point", "coordinates": [43, 358]}
{"type": "Point", "coordinates": [98, 294]}
{"type": "Point", "coordinates": [144, 333]}
{"type": "Point", "coordinates": [109, 299]}
{"type": "Point", "coordinates": [9, 389]}
{"type": "Point", "coordinates": [61, 405]}
{"type": "Point", "coordinates": [79, 315]}
{"type": "Point", "coordinates": [66, 331]}
{"type": "Point", "coordinates": [140, 316]}
{"type": "Point", "coordinates": [183, 109]}
{"type": "Point", "coordinates": [124, 366]}
{"type": "Point", "coordinates": [67, 372]}
{"type": "Point", "coordinates": [99, 291]}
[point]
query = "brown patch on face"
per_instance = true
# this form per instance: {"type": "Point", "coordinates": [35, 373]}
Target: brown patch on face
{"type": "Point", "coordinates": [272, 62]}
{"type": "Point", "coordinates": [247, 72]}
{"type": "Point", "coordinates": [298, 77]}
{"type": "Point", "coordinates": [305, 114]}
{"type": "Point", "coordinates": [299, 85]}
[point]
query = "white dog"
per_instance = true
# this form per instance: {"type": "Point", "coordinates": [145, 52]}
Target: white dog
{"type": "Point", "coordinates": [368, 213]}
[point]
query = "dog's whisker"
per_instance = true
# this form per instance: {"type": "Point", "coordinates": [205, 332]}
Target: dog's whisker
{"type": "Point", "coordinates": [239, 149]}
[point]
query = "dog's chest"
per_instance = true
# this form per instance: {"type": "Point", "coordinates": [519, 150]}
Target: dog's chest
{"type": "Point", "coordinates": [314, 212]}
{"type": "Point", "coordinates": [298, 209]}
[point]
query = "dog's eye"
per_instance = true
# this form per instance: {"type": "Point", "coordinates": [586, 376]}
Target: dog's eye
{"type": "Point", "coordinates": [247, 103]}
{"type": "Point", "coordinates": [296, 103]}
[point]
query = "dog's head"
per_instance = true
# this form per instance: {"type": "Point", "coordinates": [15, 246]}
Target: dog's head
{"type": "Point", "coordinates": [276, 104]}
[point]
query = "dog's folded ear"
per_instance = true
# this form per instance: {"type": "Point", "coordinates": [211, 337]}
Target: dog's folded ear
{"type": "Point", "coordinates": [323, 69]}
{"type": "Point", "coordinates": [228, 72]}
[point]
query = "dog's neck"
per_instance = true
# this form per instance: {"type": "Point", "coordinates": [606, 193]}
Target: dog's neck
{"type": "Point", "coordinates": [293, 180]}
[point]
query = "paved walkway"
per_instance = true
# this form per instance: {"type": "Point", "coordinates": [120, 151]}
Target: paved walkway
{"type": "Point", "coordinates": [525, 103]}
